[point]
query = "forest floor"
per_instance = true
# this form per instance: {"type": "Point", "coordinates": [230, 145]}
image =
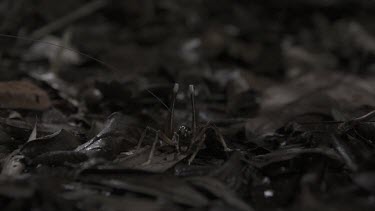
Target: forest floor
{"type": "Point", "coordinates": [187, 105]}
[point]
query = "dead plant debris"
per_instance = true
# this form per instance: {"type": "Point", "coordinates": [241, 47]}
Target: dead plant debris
{"type": "Point", "coordinates": [187, 105]}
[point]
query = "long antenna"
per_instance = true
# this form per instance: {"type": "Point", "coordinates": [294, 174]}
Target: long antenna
{"type": "Point", "coordinates": [104, 64]}
{"type": "Point", "coordinates": [149, 91]}
{"type": "Point", "coordinates": [110, 67]}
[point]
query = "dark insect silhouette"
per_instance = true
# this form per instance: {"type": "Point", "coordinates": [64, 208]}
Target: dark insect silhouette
{"type": "Point", "coordinates": [186, 140]}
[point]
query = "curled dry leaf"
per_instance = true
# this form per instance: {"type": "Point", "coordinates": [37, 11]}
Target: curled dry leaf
{"type": "Point", "coordinates": [119, 134]}
{"type": "Point", "coordinates": [61, 140]}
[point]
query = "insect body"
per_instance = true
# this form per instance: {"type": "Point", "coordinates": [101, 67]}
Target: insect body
{"type": "Point", "coordinates": [184, 133]}
{"type": "Point", "coordinates": [186, 140]}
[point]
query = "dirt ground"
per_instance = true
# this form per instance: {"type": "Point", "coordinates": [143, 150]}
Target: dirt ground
{"type": "Point", "coordinates": [187, 105]}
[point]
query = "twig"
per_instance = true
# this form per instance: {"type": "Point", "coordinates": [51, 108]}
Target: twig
{"type": "Point", "coordinates": [365, 117]}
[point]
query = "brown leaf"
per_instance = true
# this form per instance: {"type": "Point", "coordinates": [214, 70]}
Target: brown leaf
{"type": "Point", "coordinates": [23, 95]}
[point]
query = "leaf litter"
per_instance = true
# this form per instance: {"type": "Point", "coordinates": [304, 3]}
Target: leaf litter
{"type": "Point", "coordinates": [187, 105]}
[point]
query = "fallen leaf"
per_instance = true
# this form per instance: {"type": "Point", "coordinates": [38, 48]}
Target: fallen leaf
{"type": "Point", "coordinates": [61, 140]}
{"type": "Point", "coordinates": [23, 95]}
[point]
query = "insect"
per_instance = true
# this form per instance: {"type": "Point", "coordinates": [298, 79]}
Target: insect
{"type": "Point", "coordinates": [186, 140]}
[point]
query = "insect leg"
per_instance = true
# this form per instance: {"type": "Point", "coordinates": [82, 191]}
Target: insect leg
{"type": "Point", "coordinates": [221, 139]}
{"type": "Point", "coordinates": [143, 136]}
{"type": "Point", "coordinates": [151, 155]}
{"type": "Point", "coordinates": [199, 146]}
{"type": "Point", "coordinates": [176, 140]}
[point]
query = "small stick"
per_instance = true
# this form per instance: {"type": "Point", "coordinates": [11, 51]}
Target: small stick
{"type": "Point", "coordinates": [194, 120]}
{"type": "Point", "coordinates": [365, 117]}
